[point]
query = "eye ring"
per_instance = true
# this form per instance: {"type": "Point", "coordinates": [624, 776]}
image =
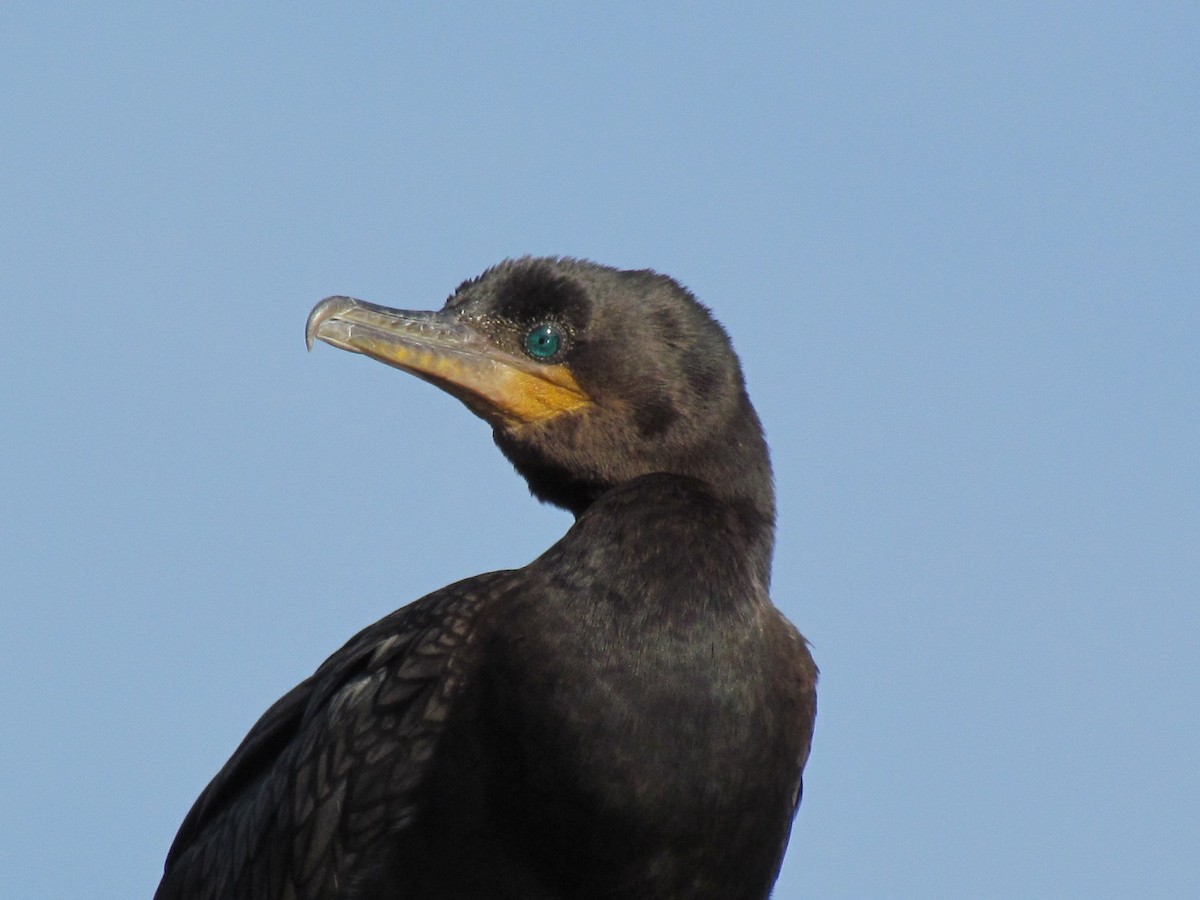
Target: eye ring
{"type": "Point", "coordinates": [544, 342]}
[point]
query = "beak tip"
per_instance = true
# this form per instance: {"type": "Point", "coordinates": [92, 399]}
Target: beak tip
{"type": "Point", "coordinates": [326, 309]}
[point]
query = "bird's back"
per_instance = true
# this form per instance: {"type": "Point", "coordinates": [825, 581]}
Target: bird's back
{"type": "Point", "coordinates": [335, 767]}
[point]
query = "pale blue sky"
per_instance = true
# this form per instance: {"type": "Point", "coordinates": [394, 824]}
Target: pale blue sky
{"type": "Point", "coordinates": [956, 247]}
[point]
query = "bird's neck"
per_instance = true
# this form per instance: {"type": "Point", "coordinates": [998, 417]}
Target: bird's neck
{"type": "Point", "coordinates": [750, 515]}
{"type": "Point", "coordinates": [735, 471]}
{"type": "Point", "coordinates": [759, 526]}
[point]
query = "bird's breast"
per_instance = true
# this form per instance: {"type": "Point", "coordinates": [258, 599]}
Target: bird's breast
{"type": "Point", "coordinates": [640, 745]}
{"type": "Point", "coordinates": [633, 662]}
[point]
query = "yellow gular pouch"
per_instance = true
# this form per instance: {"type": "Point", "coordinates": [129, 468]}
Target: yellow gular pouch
{"type": "Point", "coordinates": [525, 396]}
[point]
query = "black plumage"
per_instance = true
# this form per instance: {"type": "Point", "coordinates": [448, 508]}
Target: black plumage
{"type": "Point", "coordinates": [627, 717]}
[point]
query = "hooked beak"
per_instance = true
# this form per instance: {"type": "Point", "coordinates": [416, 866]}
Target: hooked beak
{"type": "Point", "coordinates": [501, 387]}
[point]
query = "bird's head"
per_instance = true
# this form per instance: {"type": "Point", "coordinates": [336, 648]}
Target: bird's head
{"type": "Point", "coordinates": [589, 376]}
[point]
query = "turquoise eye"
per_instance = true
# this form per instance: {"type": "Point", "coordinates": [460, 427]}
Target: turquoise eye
{"type": "Point", "coordinates": [543, 342]}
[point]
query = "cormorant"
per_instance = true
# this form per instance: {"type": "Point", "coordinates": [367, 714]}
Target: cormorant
{"type": "Point", "coordinates": [625, 718]}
